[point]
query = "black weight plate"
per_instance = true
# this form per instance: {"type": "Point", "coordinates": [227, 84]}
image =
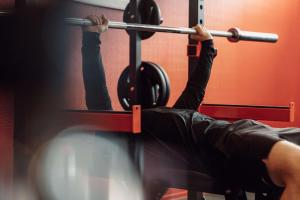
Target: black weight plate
{"type": "Point", "coordinates": [149, 13]}
{"type": "Point", "coordinates": [153, 87]}
{"type": "Point", "coordinates": [124, 89]}
{"type": "Point", "coordinates": [167, 82]}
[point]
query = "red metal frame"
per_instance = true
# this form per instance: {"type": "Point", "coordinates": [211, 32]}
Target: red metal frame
{"type": "Point", "coordinates": [173, 193]}
{"type": "Point", "coordinates": [106, 120]}
{"type": "Point", "coordinates": [235, 112]}
{"type": "Point", "coordinates": [130, 122]}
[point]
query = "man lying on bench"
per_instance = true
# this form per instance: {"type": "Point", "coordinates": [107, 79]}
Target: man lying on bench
{"type": "Point", "coordinates": [245, 151]}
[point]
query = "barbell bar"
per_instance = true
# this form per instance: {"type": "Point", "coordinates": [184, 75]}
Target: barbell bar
{"type": "Point", "coordinates": [233, 34]}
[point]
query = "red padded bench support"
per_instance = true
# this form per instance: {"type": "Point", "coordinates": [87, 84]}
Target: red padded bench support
{"type": "Point", "coordinates": [235, 112]}
{"type": "Point", "coordinates": [106, 120]}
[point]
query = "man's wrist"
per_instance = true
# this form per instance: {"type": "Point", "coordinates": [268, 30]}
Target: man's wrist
{"type": "Point", "coordinates": [209, 46]}
{"type": "Point", "coordinates": [90, 38]}
{"type": "Point", "coordinates": [208, 42]}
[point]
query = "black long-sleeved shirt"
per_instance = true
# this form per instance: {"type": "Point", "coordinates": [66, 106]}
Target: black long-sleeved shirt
{"type": "Point", "coordinates": [96, 93]}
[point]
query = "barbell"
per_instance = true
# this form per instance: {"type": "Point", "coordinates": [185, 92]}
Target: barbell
{"type": "Point", "coordinates": [233, 34]}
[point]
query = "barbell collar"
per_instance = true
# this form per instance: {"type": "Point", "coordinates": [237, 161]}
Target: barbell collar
{"type": "Point", "coordinates": [233, 34]}
{"type": "Point", "coordinates": [238, 35]}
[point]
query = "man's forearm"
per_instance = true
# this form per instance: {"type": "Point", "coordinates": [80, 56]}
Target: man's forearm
{"type": "Point", "coordinates": [201, 73]}
{"type": "Point", "coordinates": [194, 91]}
{"type": "Point", "coordinates": [97, 96]}
{"type": "Point", "coordinates": [198, 81]}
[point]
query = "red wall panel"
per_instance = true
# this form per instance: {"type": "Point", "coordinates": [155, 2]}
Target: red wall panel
{"type": "Point", "coordinates": [250, 72]}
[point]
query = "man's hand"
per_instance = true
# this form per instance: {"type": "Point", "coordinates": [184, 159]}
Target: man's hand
{"type": "Point", "coordinates": [202, 34]}
{"type": "Point", "coordinates": [100, 24]}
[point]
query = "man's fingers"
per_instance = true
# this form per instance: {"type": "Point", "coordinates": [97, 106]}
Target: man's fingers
{"type": "Point", "coordinates": [104, 20]}
{"type": "Point", "coordinates": [93, 19]}
{"type": "Point", "coordinates": [99, 20]}
{"type": "Point", "coordinates": [99, 24]}
{"type": "Point", "coordinates": [196, 28]}
{"type": "Point", "coordinates": [199, 29]}
{"type": "Point", "coordinates": [202, 33]}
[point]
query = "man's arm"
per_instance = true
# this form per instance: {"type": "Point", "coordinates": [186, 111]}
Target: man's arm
{"type": "Point", "coordinates": [96, 93]}
{"type": "Point", "coordinates": [194, 92]}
